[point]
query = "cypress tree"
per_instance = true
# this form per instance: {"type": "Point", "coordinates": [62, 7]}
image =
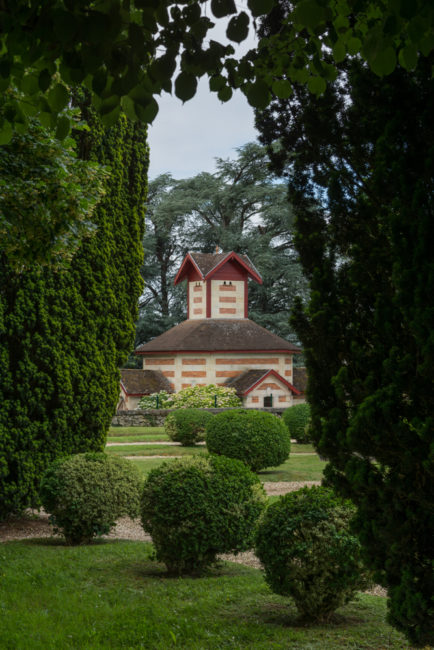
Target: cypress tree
{"type": "Point", "coordinates": [361, 180]}
{"type": "Point", "coordinates": [64, 334]}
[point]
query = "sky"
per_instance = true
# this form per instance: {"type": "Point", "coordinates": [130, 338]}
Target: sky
{"type": "Point", "coordinates": [186, 138]}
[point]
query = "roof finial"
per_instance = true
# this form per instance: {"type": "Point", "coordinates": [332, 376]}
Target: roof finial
{"type": "Point", "coordinates": [217, 248]}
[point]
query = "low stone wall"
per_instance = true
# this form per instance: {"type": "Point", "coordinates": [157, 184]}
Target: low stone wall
{"type": "Point", "coordinates": [156, 417]}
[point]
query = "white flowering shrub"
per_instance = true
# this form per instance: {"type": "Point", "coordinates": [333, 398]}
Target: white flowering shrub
{"type": "Point", "coordinates": [193, 397]}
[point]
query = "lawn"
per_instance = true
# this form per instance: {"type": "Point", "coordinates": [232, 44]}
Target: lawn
{"type": "Point", "coordinates": [136, 434]}
{"type": "Point", "coordinates": [301, 468]}
{"type": "Point", "coordinates": [112, 595]}
{"type": "Point", "coordinates": [154, 450]}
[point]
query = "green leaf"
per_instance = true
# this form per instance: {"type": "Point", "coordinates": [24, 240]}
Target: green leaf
{"type": "Point", "coordinates": [260, 7]}
{"type": "Point", "coordinates": [58, 97]}
{"type": "Point", "coordinates": [99, 81]}
{"type": "Point", "coordinates": [316, 85]}
{"type": "Point", "coordinates": [44, 80]}
{"type": "Point", "coordinates": [309, 14]}
{"type": "Point", "coordinates": [384, 63]}
{"type": "Point", "coordinates": [163, 68]}
{"type": "Point", "coordinates": [216, 83]}
{"type": "Point", "coordinates": [224, 94]}
{"type": "Point", "coordinates": [257, 94]}
{"type": "Point", "coordinates": [222, 8]}
{"type": "Point", "coordinates": [63, 128]}
{"type": "Point", "coordinates": [339, 51]}
{"type": "Point", "coordinates": [238, 27]}
{"type": "Point", "coordinates": [6, 133]}
{"type": "Point", "coordinates": [46, 119]}
{"type": "Point", "coordinates": [110, 119]}
{"type": "Point", "coordinates": [427, 44]}
{"type": "Point", "coordinates": [354, 45]}
{"type": "Point", "coordinates": [147, 113]}
{"type": "Point", "coordinates": [282, 88]}
{"type": "Point", "coordinates": [185, 86]}
{"type": "Point", "coordinates": [128, 108]}
{"type": "Point", "coordinates": [408, 57]}
{"type": "Point", "coordinates": [30, 85]}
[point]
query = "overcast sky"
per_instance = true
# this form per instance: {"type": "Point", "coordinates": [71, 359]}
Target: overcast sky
{"type": "Point", "coordinates": [186, 138]}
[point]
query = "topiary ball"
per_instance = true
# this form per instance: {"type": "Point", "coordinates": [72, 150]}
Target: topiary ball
{"type": "Point", "coordinates": [197, 507]}
{"type": "Point", "coordinates": [297, 419]}
{"type": "Point", "coordinates": [187, 426]}
{"type": "Point", "coordinates": [86, 493]}
{"type": "Point", "coordinates": [305, 545]}
{"type": "Point", "coordinates": [257, 438]}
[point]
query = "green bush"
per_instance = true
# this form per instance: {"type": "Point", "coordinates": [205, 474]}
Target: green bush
{"type": "Point", "coordinates": [257, 438]}
{"type": "Point", "coordinates": [307, 551]}
{"type": "Point", "coordinates": [297, 419]}
{"type": "Point", "coordinates": [165, 401]}
{"type": "Point", "coordinates": [197, 507]}
{"type": "Point", "coordinates": [187, 426]}
{"type": "Point", "coordinates": [86, 493]}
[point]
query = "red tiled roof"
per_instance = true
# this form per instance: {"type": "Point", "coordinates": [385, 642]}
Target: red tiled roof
{"type": "Point", "coordinates": [217, 335]}
{"type": "Point", "coordinates": [207, 263]}
{"type": "Point", "coordinates": [248, 379]}
{"type": "Point", "coordinates": [144, 382]}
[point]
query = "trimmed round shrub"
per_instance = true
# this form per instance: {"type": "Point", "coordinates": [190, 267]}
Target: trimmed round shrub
{"type": "Point", "coordinates": [297, 419]}
{"type": "Point", "coordinates": [305, 545]}
{"type": "Point", "coordinates": [187, 426]}
{"type": "Point", "coordinates": [257, 438]}
{"type": "Point", "coordinates": [86, 493]}
{"type": "Point", "coordinates": [197, 507]}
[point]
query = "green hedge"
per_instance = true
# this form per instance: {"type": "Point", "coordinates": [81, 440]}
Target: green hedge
{"type": "Point", "coordinates": [305, 545]}
{"type": "Point", "coordinates": [257, 438]}
{"type": "Point", "coordinates": [187, 426]}
{"type": "Point", "coordinates": [297, 419]}
{"type": "Point", "coordinates": [85, 494]}
{"type": "Point", "coordinates": [197, 507]}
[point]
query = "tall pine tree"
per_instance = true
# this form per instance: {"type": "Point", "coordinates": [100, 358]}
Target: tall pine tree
{"type": "Point", "coordinates": [64, 334]}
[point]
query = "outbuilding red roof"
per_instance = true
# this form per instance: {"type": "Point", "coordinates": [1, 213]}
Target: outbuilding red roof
{"type": "Point", "coordinates": [249, 379]}
{"type": "Point", "coordinates": [144, 382]}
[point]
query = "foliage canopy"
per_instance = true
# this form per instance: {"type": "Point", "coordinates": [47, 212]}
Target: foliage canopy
{"type": "Point", "coordinates": [257, 438]}
{"type": "Point", "coordinates": [366, 149]}
{"type": "Point", "coordinates": [47, 197]}
{"type": "Point", "coordinates": [125, 52]}
{"type": "Point", "coordinates": [85, 494]}
{"type": "Point", "coordinates": [309, 553]}
{"type": "Point", "coordinates": [63, 335]}
{"type": "Point", "coordinates": [198, 507]}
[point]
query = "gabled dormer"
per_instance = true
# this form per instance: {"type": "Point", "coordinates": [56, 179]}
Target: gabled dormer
{"type": "Point", "coordinates": [217, 284]}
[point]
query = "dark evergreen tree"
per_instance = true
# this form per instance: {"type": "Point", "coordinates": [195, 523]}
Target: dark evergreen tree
{"type": "Point", "coordinates": [63, 335]}
{"type": "Point", "coordinates": [360, 163]}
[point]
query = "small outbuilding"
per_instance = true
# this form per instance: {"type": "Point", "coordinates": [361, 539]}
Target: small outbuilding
{"type": "Point", "coordinates": [135, 384]}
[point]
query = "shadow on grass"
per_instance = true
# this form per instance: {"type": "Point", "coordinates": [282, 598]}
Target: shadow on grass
{"type": "Point", "coordinates": [286, 615]}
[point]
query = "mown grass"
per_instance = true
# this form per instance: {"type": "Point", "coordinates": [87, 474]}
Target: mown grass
{"type": "Point", "coordinates": [112, 595]}
{"type": "Point", "coordinates": [156, 434]}
{"type": "Point", "coordinates": [297, 468]}
{"type": "Point", "coordinates": [154, 450]}
{"type": "Point", "coordinates": [136, 434]}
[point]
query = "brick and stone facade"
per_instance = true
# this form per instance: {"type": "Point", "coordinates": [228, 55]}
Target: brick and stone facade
{"type": "Point", "coordinates": [218, 344]}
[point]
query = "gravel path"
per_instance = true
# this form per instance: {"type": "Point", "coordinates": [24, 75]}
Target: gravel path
{"type": "Point", "coordinates": [36, 524]}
